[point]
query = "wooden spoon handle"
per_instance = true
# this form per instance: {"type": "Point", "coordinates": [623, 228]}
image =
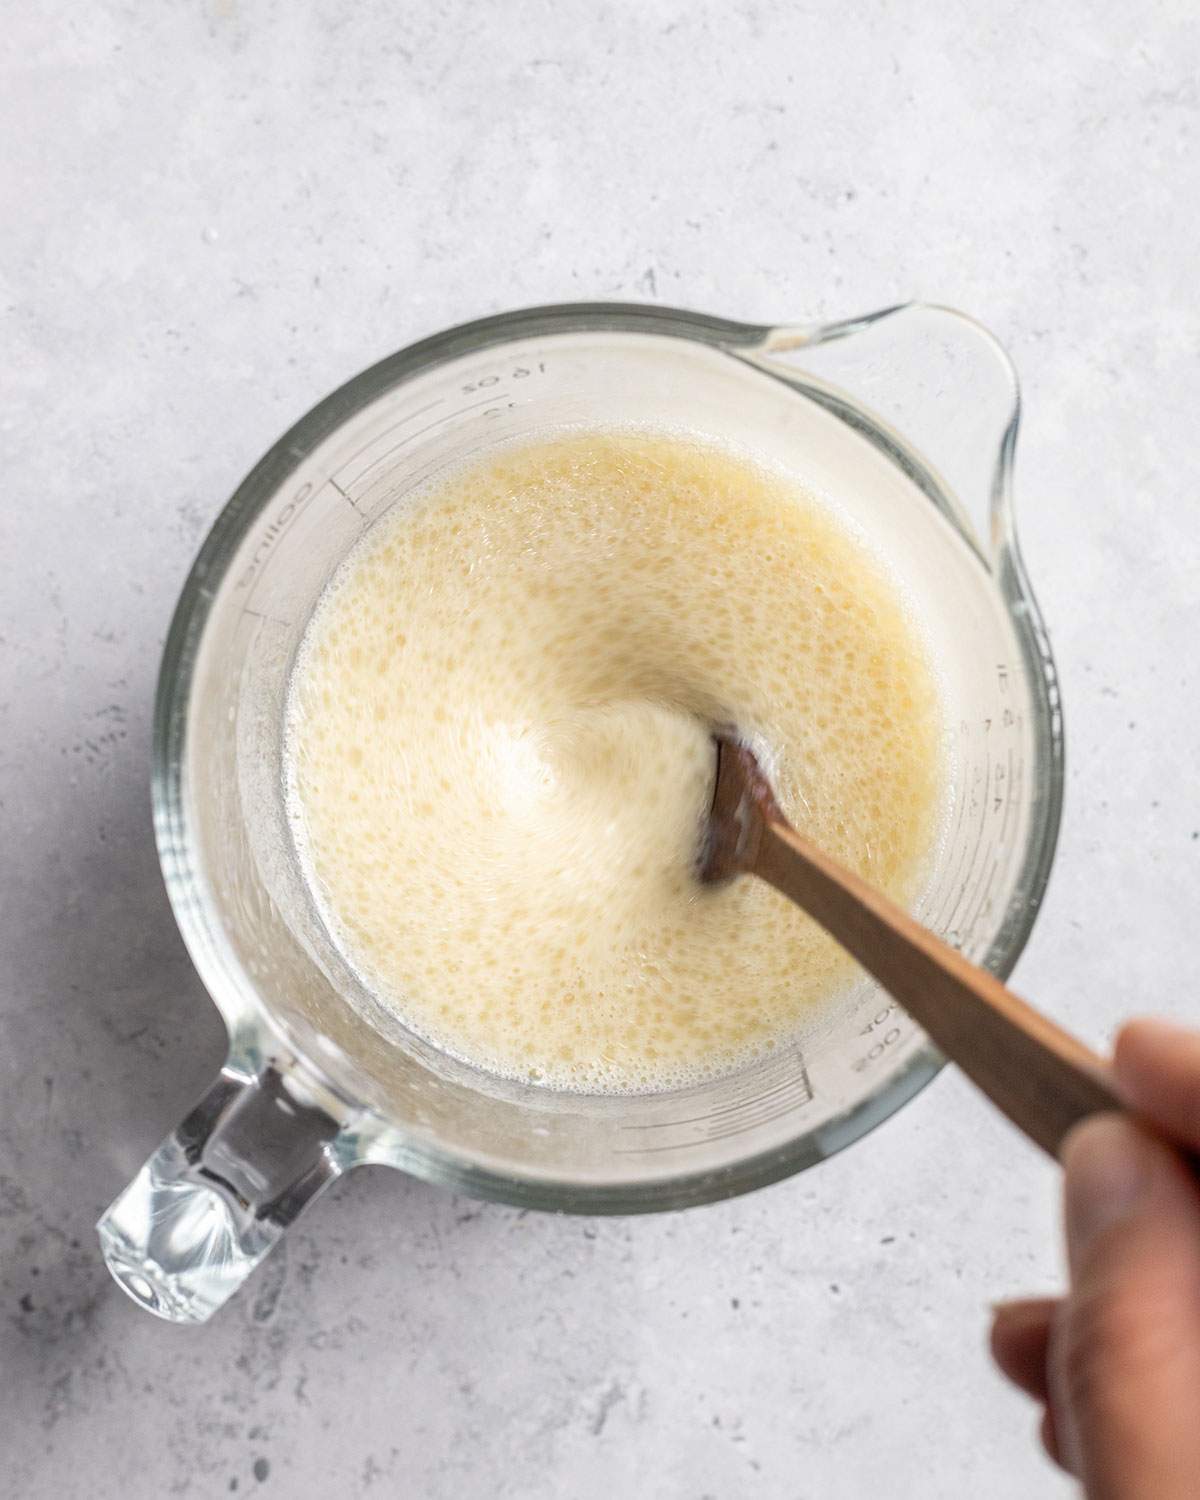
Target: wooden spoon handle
{"type": "Point", "coordinates": [1043, 1079]}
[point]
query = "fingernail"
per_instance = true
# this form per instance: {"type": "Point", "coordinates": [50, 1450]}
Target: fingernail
{"type": "Point", "coordinates": [1141, 1045]}
{"type": "Point", "coordinates": [1161, 1028]}
{"type": "Point", "coordinates": [1108, 1170]}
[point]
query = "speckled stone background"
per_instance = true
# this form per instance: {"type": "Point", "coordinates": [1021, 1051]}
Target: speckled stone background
{"type": "Point", "coordinates": [215, 211]}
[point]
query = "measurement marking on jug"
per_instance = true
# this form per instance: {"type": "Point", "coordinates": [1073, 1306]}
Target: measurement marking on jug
{"type": "Point", "coordinates": [1016, 786]}
{"type": "Point", "coordinates": [962, 872]}
{"type": "Point", "coordinates": [753, 1120]}
{"type": "Point", "coordinates": [756, 1124]}
{"type": "Point", "coordinates": [961, 933]}
{"type": "Point", "coordinates": [961, 868]}
{"type": "Point", "coordinates": [439, 465]}
{"type": "Point", "coordinates": [1008, 802]}
{"type": "Point", "coordinates": [489, 400]}
{"type": "Point", "coordinates": [983, 817]}
{"type": "Point", "coordinates": [984, 893]}
{"type": "Point", "coordinates": [271, 619]}
{"type": "Point", "coordinates": [888, 1040]}
{"type": "Point", "coordinates": [799, 1085]}
{"type": "Point", "coordinates": [751, 1111]}
{"type": "Point", "coordinates": [421, 475]}
{"type": "Point", "coordinates": [879, 1018]}
{"type": "Point", "coordinates": [522, 372]}
{"type": "Point", "coordinates": [936, 903]}
{"type": "Point", "coordinates": [983, 806]}
{"type": "Point", "coordinates": [409, 416]}
{"type": "Point", "coordinates": [794, 1086]}
{"type": "Point", "coordinates": [731, 1121]}
{"type": "Point", "coordinates": [347, 498]}
{"type": "Point", "coordinates": [960, 811]}
{"type": "Point", "coordinates": [956, 923]}
{"type": "Point", "coordinates": [273, 530]}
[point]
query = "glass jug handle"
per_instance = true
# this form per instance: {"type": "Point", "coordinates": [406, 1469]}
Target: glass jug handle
{"type": "Point", "coordinates": [223, 1187]}
{"type": "Point", "coordinates": [936, 384]}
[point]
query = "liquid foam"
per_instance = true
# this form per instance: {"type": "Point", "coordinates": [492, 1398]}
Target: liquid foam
{"type": "Point", "coordinates": [499, 755]}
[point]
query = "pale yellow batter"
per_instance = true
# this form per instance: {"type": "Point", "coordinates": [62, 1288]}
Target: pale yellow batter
{"type": "Point", "coordinates": [500, 758]}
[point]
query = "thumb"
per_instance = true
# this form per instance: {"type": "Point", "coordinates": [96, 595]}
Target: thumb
{"type": "Point", "coordinates": [1125, 1351]}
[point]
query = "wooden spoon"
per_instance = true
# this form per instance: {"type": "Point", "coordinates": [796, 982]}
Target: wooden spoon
{"type": "Point", "coordinates": [1043, 1079]}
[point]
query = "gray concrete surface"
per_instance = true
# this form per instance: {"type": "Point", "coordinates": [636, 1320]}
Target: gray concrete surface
{"type": "Point", "coordinates": [215, 212]}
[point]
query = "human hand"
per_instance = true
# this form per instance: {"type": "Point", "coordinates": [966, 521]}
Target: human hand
{"type": "Point", "coordinates": [1116, 1362]}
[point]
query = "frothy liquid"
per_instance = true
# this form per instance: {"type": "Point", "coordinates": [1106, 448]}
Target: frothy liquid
{"type": "Point", "coordinates": [500, 758]}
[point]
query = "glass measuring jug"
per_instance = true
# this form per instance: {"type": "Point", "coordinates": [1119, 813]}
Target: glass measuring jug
{"type": "Point", "coordinates": [907, 420]}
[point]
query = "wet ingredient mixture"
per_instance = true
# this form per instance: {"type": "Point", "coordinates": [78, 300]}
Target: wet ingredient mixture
{"type": "Point", "coordinates": [499, 754]}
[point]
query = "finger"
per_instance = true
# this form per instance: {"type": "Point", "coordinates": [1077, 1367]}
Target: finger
{"type": "Point", "coordinates": [1157, 1068]}
{"type": "Point", "coordinates": [1049, 1433]}
{"type": "Point", "coordinates": [1125, 1349]}
{"type": "Point", "coordinates": [1020, 1342]}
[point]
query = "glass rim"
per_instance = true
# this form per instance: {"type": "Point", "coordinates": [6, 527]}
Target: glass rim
{"type": "Point", "coordinates": [384, 1142]}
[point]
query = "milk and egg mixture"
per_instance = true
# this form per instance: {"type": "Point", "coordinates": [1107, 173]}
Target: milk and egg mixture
{"type": "Point", "coordinates": [499, 754]}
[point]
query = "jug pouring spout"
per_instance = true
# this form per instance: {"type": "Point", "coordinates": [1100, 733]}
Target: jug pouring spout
{"type": "Point", "coordinates": [933, 389]}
